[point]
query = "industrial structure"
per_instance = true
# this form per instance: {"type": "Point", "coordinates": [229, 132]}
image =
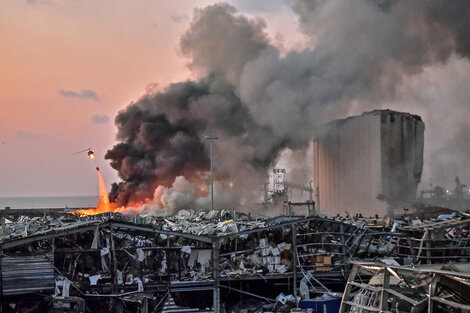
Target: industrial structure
{"type": "Point", "coordinates": [368, 164]}
{"type": "Point", "coordinates": [277, 197]}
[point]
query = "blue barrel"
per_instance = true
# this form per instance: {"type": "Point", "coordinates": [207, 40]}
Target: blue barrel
{"type": "Point", "coordinates": [321, 305]}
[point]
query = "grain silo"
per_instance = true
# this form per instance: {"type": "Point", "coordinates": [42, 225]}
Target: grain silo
{"type": "Point", "coordinates": [368, 163]}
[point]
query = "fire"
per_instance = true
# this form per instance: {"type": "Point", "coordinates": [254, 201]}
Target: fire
{"type": "Point", "coordinates": [103, 205]}
{"type": "Point", "coordinates": [165, 200]}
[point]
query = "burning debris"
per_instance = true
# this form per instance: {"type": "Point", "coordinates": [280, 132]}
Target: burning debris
{"type": "Point", "coordinates": [104, 205]}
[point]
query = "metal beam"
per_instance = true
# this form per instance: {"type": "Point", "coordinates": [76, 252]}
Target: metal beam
{"type": "Point", "coordinates": [49, 235]}
{"type": "Point", "coordinates": [425, 270]}
{"type": "Point", "coordinates": [216, 276]}
{"type": "Point", "coordinates": [403, 297]}
{"type": "Point", "coordinates": [175, 286]}
{"type": "Point", "coordinates": [295, 257]}
{"type": "Point", "coordinates": [412, 249]}
{"type": "Point", "coordinates": [347, 290]}
{"type": "Point", "coordinates": [384, 293]}
{"type": "Point", "coordinates": [431, 292]}
{"type": "Point", "coordinates": [67, 250]}
{"type": "Point", "coordinates": [451, 303]}
{"type": "Point", "coordinates": [113, 267]}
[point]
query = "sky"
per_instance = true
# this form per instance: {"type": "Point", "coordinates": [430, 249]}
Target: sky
{"type": "Point", "coordinates": [67, 69]}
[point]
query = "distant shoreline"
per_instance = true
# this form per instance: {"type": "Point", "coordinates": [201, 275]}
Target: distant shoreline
{"type": "Point", "coordinates": [40, 202]}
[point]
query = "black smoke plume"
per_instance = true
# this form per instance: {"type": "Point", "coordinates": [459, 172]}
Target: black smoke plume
{"type": "Point", "coordinates": [260, 102]}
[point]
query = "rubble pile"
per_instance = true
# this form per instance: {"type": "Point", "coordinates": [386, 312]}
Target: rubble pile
{"type": "Point", "coordinates": [137, 261]}
{"type": "Point", "coordinates": [25, 226]}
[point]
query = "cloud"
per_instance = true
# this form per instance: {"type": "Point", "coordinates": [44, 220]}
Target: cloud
{"type": "Point", "coordinates": [27, 134]}
{"type": "Point", "coordinates": [180, 18]}
{"type": "Point", "coordinates": [100, 118]}
{"type": "Point", "coordinates": [83, 94]}
{"type": "Point", "coordinates": [37, 2]}
{"type": "Point", "coordinates": [260, 6]}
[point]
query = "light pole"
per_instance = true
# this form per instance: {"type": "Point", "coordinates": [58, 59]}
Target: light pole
{"type": "Point", "coordinates": [211, 139]}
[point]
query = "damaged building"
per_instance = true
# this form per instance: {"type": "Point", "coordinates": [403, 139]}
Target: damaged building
{"type": "Point", "coordinates": [202, 260]}
{"type": "Point", "coordinates": [368, 164]}
{"type": "Point", "coordinates": [223, 261]}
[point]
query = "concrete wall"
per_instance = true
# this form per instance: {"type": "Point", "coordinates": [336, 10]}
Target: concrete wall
{"type": "Point", "coordinates": [358, 158]}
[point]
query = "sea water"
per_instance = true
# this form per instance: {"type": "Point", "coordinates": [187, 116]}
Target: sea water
{"type": "Point", "coordinates": [49, 202]}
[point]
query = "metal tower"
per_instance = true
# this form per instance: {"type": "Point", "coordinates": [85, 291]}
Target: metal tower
{"type": "Point", "coordinates": [279, 180]}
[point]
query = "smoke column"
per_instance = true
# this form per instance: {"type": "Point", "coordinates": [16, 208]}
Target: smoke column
{"type": "Point", "coordinates": [361, 55]}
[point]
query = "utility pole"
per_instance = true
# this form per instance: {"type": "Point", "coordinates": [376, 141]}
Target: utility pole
{"type": "Point", "coordinates": [211, 139]}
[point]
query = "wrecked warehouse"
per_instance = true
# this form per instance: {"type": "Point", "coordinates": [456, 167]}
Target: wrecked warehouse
{"type": "Point", "coordinates": [117, 262]}
{"type": "Point", "coordinates": [209, 260]}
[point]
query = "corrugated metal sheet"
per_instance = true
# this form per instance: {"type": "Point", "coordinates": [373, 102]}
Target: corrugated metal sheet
{"type": "Point", "coordinates": [347, 165]}
{"type": "Point", "coordinates": [26, 274]}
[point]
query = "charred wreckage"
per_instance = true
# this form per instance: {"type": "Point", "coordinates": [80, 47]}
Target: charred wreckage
{"type": "Point", "coordinates": [225, 261]}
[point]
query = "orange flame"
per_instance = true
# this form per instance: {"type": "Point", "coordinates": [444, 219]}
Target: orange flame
{"type": "Point", "coordinates": [103, 205]}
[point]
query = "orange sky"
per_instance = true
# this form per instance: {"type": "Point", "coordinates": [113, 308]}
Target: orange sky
{"type": "Point", "coordinates": [51, 50]}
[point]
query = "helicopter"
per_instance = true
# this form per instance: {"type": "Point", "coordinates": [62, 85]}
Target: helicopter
{"type": "Point", "coordinates": [90, 153]}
